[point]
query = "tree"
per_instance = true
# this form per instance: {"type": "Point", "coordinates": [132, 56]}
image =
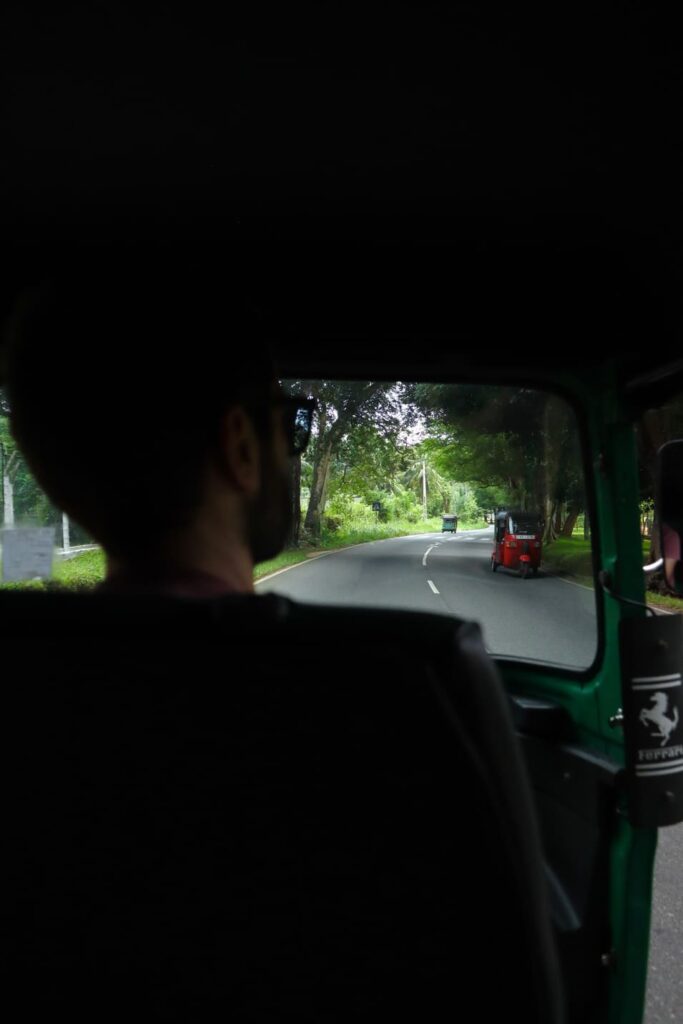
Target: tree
{"type": "Point", "coordinates": [343, 405]}
{"type": "Point", "coordinates": [295, 497]}
{"type": "Point", "coordinates": [422, 476]}
{"type": "Point", "coordinates": [367, 462]}
{"type": "Point", "coordinates": [22, 497]}
{"type": "Point", "coordinates": [522, 441]}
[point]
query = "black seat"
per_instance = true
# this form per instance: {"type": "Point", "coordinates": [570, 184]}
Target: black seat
{"type": "Point", "coordinates": [254, 809]}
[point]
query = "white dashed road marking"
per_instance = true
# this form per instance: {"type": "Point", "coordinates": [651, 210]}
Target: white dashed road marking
{"type": "Point", "coordinates": [432, 586]}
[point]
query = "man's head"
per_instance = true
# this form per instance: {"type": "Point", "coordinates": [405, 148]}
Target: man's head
{"type": "Point", "coordinates": [136, 405]}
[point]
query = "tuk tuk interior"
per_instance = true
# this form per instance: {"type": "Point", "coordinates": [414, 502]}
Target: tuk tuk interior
{"type": "Point", "coordinates": [563, 719]}
{"type": "Point", "coordinates": [389, 255]}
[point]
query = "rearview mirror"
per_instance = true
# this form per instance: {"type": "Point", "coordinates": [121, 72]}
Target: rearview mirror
{"type": "Point", "coordinates": [670, 504]}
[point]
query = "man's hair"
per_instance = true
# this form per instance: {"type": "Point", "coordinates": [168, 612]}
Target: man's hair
{"type": "Point", "coordinates": [116, 390]}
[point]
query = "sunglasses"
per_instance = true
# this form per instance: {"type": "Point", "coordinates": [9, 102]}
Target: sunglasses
{"type": "Point", "coordinates": [298, 419]}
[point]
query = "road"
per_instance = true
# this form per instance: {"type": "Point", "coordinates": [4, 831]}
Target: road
{"type": "Point", "coordinates": [542, 618]}
{"type": "Point", "coordinates": [664, 1003]}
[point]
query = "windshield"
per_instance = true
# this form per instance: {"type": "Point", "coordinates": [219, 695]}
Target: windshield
{"type": "Point", "coordinates": [519, 523]}
{"type": "Point", "coordinates": [388, 469]}
{"type": "Point", "coordinates": [388, 464]}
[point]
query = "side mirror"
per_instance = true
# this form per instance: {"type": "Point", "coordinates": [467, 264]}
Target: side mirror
{"type": "Point", "coordinates": [670, 506]}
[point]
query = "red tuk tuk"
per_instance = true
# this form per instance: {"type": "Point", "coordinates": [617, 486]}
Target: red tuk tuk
{"type": "Point", "coordinates": [518, 538]}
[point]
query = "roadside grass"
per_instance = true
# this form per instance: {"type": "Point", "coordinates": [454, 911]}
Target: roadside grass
{"type": "Point", "coordinates": [283, 561]}
{"type": "Point", "coordinates": [344, 538]}
{"type": "Point", "coordinates": [672, 604]}
{"type": "Point", "coordinates": [81, 572]}
{"type": "Point", "coordinates": [572, 555]}
{"type": "Point", "coordinates": [84, 570]}
{"type": "Point", "coordinates": [87, 569]}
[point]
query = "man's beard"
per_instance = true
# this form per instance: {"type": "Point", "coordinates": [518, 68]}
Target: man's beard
{"type": "Point", "coordinates": [269, 513]}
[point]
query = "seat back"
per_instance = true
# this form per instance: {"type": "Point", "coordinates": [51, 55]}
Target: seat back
{"type": "Point", "coordinates": [263, 809]}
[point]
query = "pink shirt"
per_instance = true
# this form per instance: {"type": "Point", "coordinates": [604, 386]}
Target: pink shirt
{"type": "Point", "coordinates": [671, 543]}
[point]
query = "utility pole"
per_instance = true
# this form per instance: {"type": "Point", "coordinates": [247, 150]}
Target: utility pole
{"type": "Point", "coordinates": [424, 488]}
{"type": "Point", "coordinates": [7, 488]}
{"type": "Point", "coordinates": [66, 542]}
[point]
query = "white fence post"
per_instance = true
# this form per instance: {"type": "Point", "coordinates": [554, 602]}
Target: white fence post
{"type": "Point", "coordinates": [66, 541]}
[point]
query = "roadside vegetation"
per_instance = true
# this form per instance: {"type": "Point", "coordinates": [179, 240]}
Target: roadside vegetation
{"type": "Point", "coordinates": [350, 535]}
{"type": "Point", "coordinates": [572, 556]}
{"type": "Point", "coordinates": [87, 569]}
{"type": "Point", "coordinates": [81, 572]}
{"type": "Point", "coordinates": [389, 460]}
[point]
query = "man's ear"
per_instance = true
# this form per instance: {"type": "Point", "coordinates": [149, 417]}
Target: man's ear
{"type": "Point", "coordinates": [240, 453]}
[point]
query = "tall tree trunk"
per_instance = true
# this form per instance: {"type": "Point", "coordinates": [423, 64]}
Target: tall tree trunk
{"type": "Point", "coordinates": [295, 497]}
{"type": "Point", "coordinates": [549, 508]}
{"type": "Point", "coordinates": [557, 528]}
{"type": "Point", "coordinates": [549, 533]}
{"type": "Point", "coordinates": [316, 504]}
{"type": "Point", "coordinates": [322, 461]}
{"type": "Point", "coordinates": [586, 526]}
{"type": "Point", "coordinates": [569, 523]}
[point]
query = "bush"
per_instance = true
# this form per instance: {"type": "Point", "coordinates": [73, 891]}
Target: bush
{"type": "Point", "coordinates": [343, 512]}
{"type": "Point", "coordinates": [399, 505]}
{"type": "Point", "coordinates": [464, 503]}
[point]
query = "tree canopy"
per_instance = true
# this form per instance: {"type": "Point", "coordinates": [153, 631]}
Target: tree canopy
{"type": "Point", "coordinates": [522, 442]}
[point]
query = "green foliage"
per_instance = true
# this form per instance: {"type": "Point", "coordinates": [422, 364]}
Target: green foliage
{"type": "Point", "coordinates": [344, 511]}
{"type": "Point", "coordinates": [342, 437]}
{"type": "Point", "coordinates": [486, 447]}
{"type": "Point", "coordinates": [379, 531]}
{"type": "Point", "coordinates": [282, 561]}
{"type": "Point", "coordinates": [521, 442]}
{"type": "Point", "coordinates": [489, 498]}
{"type": "Point", "coordinates": [366, 460]}
{"type": "Point", "coordinates": [464, 502]}
{"type": "Point", "coordinates": [673, 604]}
{"type": "Point", "coordinates": [32, 507]}
{"type": "Point", "coordinates": [351, 512]}
{"type": "Point", "coordinates": [83, 571]}
{"type": "Point", "coordinates": [401, 504]}
{"type": "Point", "coordinates": [571, 555]}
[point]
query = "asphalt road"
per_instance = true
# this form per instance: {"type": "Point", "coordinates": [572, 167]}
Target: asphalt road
{"type": "Point", "coordinates": [541, 618]}
{"type": "Point", "coordinates": [664, 1003]}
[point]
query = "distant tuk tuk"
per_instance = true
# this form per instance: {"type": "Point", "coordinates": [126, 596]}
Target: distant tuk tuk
{"type": "Point", "coordinates": [449, 524]}
{"type": "Point", "coordinates": [518, 540]}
